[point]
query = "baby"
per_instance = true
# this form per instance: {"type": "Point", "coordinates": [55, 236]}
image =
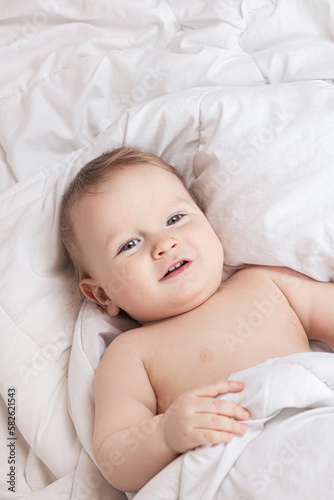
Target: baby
{"type": "Point", "coordinates": [141, 244]}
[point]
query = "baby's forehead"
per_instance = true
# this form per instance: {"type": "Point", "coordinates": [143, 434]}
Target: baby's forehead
{"type": "Point", "coordinates": [146, 178]}
{"type": "Point", "coordinates": [133, 188]}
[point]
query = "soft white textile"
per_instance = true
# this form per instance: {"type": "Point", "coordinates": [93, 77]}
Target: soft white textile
{"type": "Point", "coordinates": [238, 95]}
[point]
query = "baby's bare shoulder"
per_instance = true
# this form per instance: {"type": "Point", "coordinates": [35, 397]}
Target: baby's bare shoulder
{"type": "Point", "coordinates": [129, 345]}
{"type": "Point", "coordinates": [263, 279]}
{"type": "Point", "coordinates": [283, 278]}
{"type": "Point", "coordinates": [126, 342]}
{"type": "Point", "coordinates": [252, 272]}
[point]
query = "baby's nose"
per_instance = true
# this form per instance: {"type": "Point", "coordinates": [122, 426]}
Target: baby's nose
{"type": "Point", "coordinates": [164, 245]}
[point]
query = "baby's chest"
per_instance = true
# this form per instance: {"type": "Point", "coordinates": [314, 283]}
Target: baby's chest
{"type": "Point", "coordinates": [226, 337]}
{"type": "Point", "coordinates": [188, 368]}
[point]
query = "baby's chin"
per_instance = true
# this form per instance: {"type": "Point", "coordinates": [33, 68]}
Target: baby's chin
{"type": "Point", "coordinates": [178, 309]}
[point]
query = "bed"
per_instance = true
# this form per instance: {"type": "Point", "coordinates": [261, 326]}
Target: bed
{"type": "Point", "coordinates": [238, 95]}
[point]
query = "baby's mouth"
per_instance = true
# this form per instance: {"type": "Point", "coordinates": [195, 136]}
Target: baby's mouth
{"type": "Point", "coordinates": [175, 268]}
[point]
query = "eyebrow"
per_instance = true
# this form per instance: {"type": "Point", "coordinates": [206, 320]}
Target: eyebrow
{"type": "Point", "coordinates": [112, 239]}
{"type": "Point", "coordinates": [182, 200]}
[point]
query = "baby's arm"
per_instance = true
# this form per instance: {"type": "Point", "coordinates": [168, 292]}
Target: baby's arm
{"type": "Point", "coordinates": [131, 443]}
{"type": "Point", "coordinates": [312, 301]}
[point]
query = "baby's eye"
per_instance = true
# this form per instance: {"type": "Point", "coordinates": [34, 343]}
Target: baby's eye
{"type": "Point", "coordinates": [174, 219]}
{"type": "Point", "coordinates": [129, 244]}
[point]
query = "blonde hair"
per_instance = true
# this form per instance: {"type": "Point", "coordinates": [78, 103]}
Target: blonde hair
{"type": "Point", "coordinates": [88, 179]}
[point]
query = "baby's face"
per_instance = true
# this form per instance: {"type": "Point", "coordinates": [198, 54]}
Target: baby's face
{"type": "Point", "coordinates": [140, 226]}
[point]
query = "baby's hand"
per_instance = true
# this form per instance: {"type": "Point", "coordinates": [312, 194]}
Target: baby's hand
{"type": "Point", "coordinates": [197, 417]}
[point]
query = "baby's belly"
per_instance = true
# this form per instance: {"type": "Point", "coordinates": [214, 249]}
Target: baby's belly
{"type": "Point", "coordinates": [204, 363]}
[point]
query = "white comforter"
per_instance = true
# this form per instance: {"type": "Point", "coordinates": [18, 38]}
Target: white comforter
{"type": "Point", "coordinates": [287, 452]}
{"type": "Point", "coordinates": [237, 94]}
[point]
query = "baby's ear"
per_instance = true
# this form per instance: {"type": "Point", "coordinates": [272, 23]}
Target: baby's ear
{"type": "Point", "coordinates": [96, 294]}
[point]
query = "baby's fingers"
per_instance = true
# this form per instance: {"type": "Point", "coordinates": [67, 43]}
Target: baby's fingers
{"type": "Point", "coordinates": [205, 436]}
{"type": "Point", "coordinates": [221, 407]}
{"type": "Point", "coordinates": [221, 387]}
{"type": "Point", "coordinates": [219, 423]}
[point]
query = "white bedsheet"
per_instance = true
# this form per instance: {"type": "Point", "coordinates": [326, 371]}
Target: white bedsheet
{"type": "Point", "coordinates": [237, 94]}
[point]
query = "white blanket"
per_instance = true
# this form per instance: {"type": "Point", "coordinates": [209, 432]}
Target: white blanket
{"type": "Point", "coordinates": [287, 451]}
{"type": "Point", "coordinates": [237, 94]}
